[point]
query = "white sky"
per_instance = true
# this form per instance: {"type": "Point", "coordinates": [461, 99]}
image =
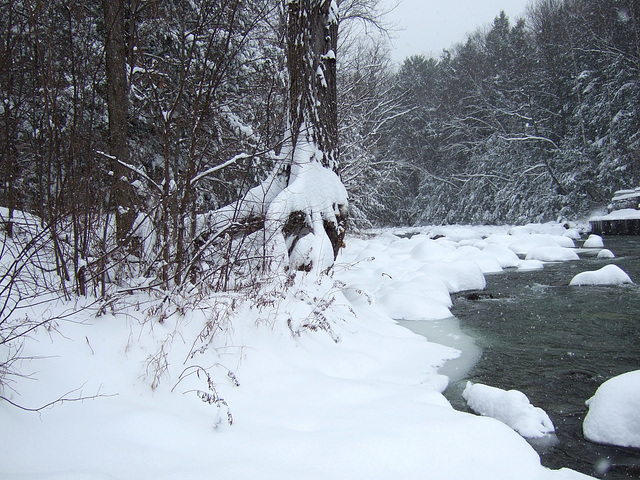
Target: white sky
{"type": "Point", "coordinates": [432, 25]}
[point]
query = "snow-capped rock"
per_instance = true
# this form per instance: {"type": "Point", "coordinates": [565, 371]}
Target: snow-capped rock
{"type": "Point", "coordinates": [511, 407]}
{"type": "Point", "coordinates": [614, 412]}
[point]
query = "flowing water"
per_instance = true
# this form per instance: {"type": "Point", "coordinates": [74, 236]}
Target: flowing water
{"type": "Point", "coordinates": [557, 344]}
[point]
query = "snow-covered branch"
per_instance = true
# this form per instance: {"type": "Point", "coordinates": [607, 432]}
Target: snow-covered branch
{"type": "Point", "coordinates": [209, 171]}
{"type": "Point", "coordinates": [133, 168]}
{"type": "Point", "coordinates": [529, 138]}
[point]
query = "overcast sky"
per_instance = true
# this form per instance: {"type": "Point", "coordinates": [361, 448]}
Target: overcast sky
{"type": "Point", "coordinates": [432, 25]}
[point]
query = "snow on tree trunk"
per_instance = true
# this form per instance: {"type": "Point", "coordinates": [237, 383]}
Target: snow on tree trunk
{"type": "Point", "coordinates": [312, 41]}
{"type": "Point", "coordinates": [312, 208]}
{"type": "Point", "coordinates": [306, 221]}
{"type": "Point", "coordinates": [303, 203]}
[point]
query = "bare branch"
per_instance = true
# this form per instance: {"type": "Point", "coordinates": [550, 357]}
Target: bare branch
{"type": "Point", "coordinates": [63, 399]}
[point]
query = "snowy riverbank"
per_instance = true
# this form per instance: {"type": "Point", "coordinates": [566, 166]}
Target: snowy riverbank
{"type": "Point", "coordinates": [330, 386]}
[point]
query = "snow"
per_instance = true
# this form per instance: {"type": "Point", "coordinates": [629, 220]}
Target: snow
{"type": "Point", "coordinates": [320, 380]}
{"type": "Point", "coordinates": [525, 265]}
{"type": "Point", "coordinates": [315, 191]}
{"type": "Point", "coordinates": [330, 55]}
{"type": "Point", "coordinates": [333, 13]}
{"type": "Point", "coordinates": [321, 77]}
{"type": "Point", "coordinates": [614, 412]}
{"type": "Point", "coordinates": [522, 245]}
{"type": "Point", "coordinates": [594, 241]}
{"type": "Point", "coordinates": [511, 407]}
{"type": "Point", "coordinates": [505, 257]}
{"type": "Point", "coordinates": [607, 275]}
{"type": "Point", "coordinates": [622, 214]}
{"type": "Point", "coordinates": [626, 194]}
{"type": "Point", "coordinates": [552, 254]}
{"type": "Point", "coordinates": [319, 193]}
{"type": "Point", "coordinates": [605, 253]}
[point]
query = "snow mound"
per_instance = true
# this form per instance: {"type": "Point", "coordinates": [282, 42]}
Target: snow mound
{"type": "Point", "coordinates": [552, 254]}
{"type": "Point", "coordinates": [505, 257]}
{"type": "Point", "coordinates": [522, 245]}
{"type": "Point", "coordinates": [458, 233]}
{"type": "Point", "coordinates": [572, 233]}
{"type": "Point", "coordinates": [530, 265]}
{"type": "Point", "coordinates": [412, 305]}
{"type": "Point", "coordinates": [605, 253]}
{"type": "Point", "coordinates": [428, 250]}
{"type": "Point", "coordinates": [486, 263]}
{"type": "Point", "coordinates": [459, 276]}
{"type": "Point", "coordinates": [551, 228]}
{"type": "Point", "coordinates": [607, 275]}
{"type": "Point", "coordinates": [594, 241]}
{"type": "Point", "coordinates": [614, 412]}
{"type": "Point", "coordinates": [511, 407]}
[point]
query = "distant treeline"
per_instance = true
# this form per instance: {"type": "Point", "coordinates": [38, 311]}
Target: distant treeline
{"type": "Point", "coordinates": [532, 120]}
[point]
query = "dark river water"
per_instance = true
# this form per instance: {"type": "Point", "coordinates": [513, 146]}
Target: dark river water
{"type": "Point", "coordinates": [558, 344]}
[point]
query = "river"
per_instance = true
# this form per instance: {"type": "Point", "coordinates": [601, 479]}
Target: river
{"type": "Point", "coordinates": [555, 343]}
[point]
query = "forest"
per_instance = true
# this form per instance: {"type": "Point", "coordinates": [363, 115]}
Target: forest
{"type": "Point", "coordinates": [136, 132]}
{"type": "Point", "coordinates": [531, 119]}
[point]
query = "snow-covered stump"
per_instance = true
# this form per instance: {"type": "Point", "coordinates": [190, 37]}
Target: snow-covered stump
{"type": "Point", "coordinates": [308, 217]}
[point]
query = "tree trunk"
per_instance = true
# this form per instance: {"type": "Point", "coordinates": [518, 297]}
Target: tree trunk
{"type": "Point", "coordinates": [118, 106]}
{"type": "Point", "coordinates": [312, 40]}
{"type": "Point", "coordinates": [311, 59]}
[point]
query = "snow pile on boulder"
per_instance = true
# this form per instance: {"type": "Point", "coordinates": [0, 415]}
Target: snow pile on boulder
{"type": "Point", "coordinates": [606, 253]}
{"type": "Point", "coordinates": [614, 412]}
{"type": "Point", "coordinates": [594, 241]}
{"type": "Point", "coordinates": [524, 244]}
{"type": "Point", "coordinates": [511, 407]}
{"type": "Point", "coordinates": [607, 275]}
{"type": "Point", "coordinates": [552, 254]}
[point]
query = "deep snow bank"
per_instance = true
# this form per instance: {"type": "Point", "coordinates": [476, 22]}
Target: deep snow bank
{"type": "Point", "coordinates": [320, 381]}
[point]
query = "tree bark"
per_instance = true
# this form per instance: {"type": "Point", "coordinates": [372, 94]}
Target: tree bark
{"type": "Point", "coordinates": [312, 40]}
{"type": "Point", "coordinates": [118, 107]}
{"type": "Point", "coordinates": [311, 59]}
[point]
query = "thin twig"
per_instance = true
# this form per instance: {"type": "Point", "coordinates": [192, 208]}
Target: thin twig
{"type": "Point", "coordinates": [62, 399]}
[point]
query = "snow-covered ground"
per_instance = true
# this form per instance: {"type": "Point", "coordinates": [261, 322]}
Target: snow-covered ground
{"type": "Point", "coordinates": [319, 383]}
